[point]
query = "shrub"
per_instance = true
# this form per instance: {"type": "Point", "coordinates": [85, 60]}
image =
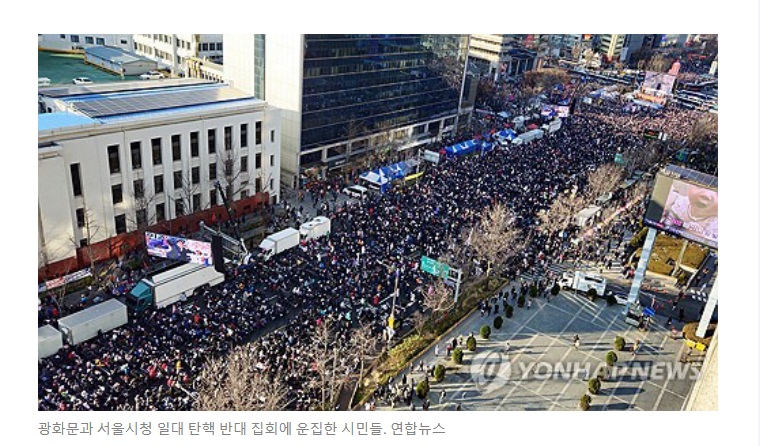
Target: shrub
{"type": "Point", "coordinates": [585, 402]}
{"type": "Point", "coordinates": [533, 291]}
{"type": "Point", "coordinates": [457, 356]}
{"type": "Point", "coordinates": [498, 322]}
{"type": "Point", "coordinates": [594, 385]}
{"type": "Point", "coordinates": [423, 388]}
{"type": "Point", "coordinates": [602, 374]}
{"type": "Point", "coordinates": [485, 332]}
{"type": "Point", "coordinates": [619, 343]}
{"type": "Point", "coordinates": [611, 358]}
{"type": "Point", "coordinates": [471, 344]}
{"type": "Point", "coordinates": [611, 299]}
{"type": "Point", "coordinates": [591, 294]}
{"type": "Point", "coordinates": [493, 284]}
{"type": "Point", "coordinates": [509, 310]}
{"type": "Point", "coordinates": [439, 372]}
{"type": "Point", "coordinates": [521, 301]}
{"type": "Point", "coordinates": [555, 289]}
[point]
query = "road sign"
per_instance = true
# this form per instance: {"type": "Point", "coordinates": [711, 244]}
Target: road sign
{"type": "Point", "coordinates": [434, 267]}
{"type": "Point", "coordinates": [391, 321]}
{"type": "Point", "coordinates": [619, 158]}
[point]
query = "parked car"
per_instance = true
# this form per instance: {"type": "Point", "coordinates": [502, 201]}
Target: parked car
{"type": "Point", "coordinates": [82, 81]}
{"type": "Point", "coordinates": [356, 191]}
{"type": "Point", "coordinates": [152, 75]}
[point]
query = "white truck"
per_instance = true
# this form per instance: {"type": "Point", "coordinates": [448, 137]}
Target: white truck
{"type": "Point", "coordinates": [279, 242]}
{"type": "Point", "coordinates": [169, 286]}
{"type": "Point", "coordinates": [88, 323]}
{"type": "Point", "coordinates": [583, 281]}
{"type": "Point", "coordinates": [316, 228]}
{"type": "Point", "coordinates": [49, 341]}
{"type": "Point", "coordinates": [552, 126]}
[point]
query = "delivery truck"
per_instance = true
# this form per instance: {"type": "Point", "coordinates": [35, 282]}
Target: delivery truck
{"type": "Point", "coordinates": [90, 322]}
{"type": "Point", "coordinates": [49, 341]}
{"type": "Point", "coordinates": [166, 287]}
{"type": "Point", "coordinates": [583, 281]}
{"type": "Point", "coordinates": [279, 242]}
{"type": "Point", "coordinates": [315, 229]}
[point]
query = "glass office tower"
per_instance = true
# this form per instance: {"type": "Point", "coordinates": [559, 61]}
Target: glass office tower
{"type": "Point", "coordinates": [363, 84]}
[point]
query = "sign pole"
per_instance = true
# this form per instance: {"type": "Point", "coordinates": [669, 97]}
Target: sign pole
{"type": "Point", "coordinates": [641, 270]}
{"type": "Point", "coordinates": [712, 302]}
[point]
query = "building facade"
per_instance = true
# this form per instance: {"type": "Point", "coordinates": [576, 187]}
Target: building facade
{"type": "Point", "coordinates": [171, 51]}
{"type": "Point", "coordinates": [610, 45]}
{"type": "Point", "coordinates": [77, 43]}
{"type": "Point", "coordinates": [499, 55]}
{"type": "Point", "coordinates": [112, 160]}
{"type": "Point", "coordinates": [344, 96]}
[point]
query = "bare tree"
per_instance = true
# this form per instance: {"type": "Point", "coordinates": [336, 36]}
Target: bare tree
{"type": "Point", "coordinates": [438, 298]}
{"type": "Point", "coordinates": [238, 382]}
{"type": "Point", "coordinates": [560, 214]}
{"type": "Point", "coordinates": [363, 348]}
{"type": "Point", "coordinates": [418, 322]}
{"type": "Point", "coordinates": [603, 180]}
{"type": "Point", "coordinates": [330, 365]}
{"type": "Point", "coordinates": [703, 132]}
{"type": "Point", "coordinates": [496, 239]}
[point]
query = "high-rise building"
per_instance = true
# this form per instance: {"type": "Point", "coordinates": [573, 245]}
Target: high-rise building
{"type": "Point", "coordinates": [610, 45]}
{"type": "Point", "coordinates": [172, 50]}
{"type": "Point", "coordinates": [498, 55]}
{"type": "Point", "coordinates": [345, 96]}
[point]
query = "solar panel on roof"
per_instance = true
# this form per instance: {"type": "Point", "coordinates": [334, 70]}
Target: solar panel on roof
{"type": "Point", "coordinates": [111, 106]}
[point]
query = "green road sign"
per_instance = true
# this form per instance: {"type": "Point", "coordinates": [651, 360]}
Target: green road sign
{"type": "Point", "coordinates": [619, 158]}
{"type": "Point", "coordinates": [434, 267]}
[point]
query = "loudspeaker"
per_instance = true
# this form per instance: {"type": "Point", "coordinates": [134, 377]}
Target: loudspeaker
{"type": "Point", "coordinates": [217, 253]}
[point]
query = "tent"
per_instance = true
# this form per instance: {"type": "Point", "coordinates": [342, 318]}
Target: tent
{"type": "Point", "coordinates": [507, 134]}
{"type": "Point", "coordinates": [463, 148]}
{"type": "Point", "coordinates": [380, 179]}
{"type": "Point", "coordinates": [532, 127]}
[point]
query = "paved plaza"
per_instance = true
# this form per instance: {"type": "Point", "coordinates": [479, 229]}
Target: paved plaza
{"type": "Point", "coordinates": [543, 371]}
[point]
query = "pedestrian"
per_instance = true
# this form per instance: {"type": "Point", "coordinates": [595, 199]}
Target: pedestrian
{"type": "Point", "coordinates": [436, 350]}
{"type": "Point", "coordinates": [577, 342]}
{"type": "Point", "coordinates": [442, 396]}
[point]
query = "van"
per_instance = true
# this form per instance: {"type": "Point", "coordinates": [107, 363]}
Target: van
{"type": "Point", "coordinates": [356, 191]}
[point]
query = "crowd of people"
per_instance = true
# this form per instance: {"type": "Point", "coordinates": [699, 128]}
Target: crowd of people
{"type": "Point", "coordinates": [344, 280]}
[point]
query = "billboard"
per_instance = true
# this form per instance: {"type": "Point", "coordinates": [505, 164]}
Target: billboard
{"type": "Point", "coordinates": [685, 208]}
{"type": "Point", "coordinates": [656, 87]}
{"type": "Point", "coordinates": [178, 248]}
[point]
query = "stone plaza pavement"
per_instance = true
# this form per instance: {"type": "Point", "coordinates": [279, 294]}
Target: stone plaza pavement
{"type": "Point", "coordinates": [543, 371]}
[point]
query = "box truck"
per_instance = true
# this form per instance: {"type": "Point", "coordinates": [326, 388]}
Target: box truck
{"type": "Point", "coordinates": [316, 228]}
{"type": "Point", "coordinates": [583, 281]}
{"type": "Point", "coordinates": [49, 341]}
{"type": "Point", "coordinates": [166, 287]}
{"type": "Point", "coordinates": [88, 323]}
{"type": "Point", "coordinates": [279, 242]}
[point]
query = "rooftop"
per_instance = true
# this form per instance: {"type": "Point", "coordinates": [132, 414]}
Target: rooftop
{"type": "Point", "coordinates": [50, 121]}
{"type": "Point", "coordinates": [115, 55]}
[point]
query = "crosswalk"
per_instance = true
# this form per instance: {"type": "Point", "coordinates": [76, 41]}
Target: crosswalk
{"type": "Point", "coordinates": [698, 295]}
{"type": "Point", "coordinates": [535, 275]}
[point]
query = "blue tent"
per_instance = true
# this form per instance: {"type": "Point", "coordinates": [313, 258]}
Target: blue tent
{"type": "Point", "coordinates": [507, 134]}
{"type": "Point", "coordinates": [463, 148]}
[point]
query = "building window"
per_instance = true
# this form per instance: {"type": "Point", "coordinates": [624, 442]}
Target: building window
{"type": "Point", "coordinates": [194, 145]}
{"type": "Point", "coordinates": [258, 161]}
{"type": "Point", "coordinates": [113, 159]}
{"type": "Point", "coordinates": [243, 194]}
{"type": "Point", "coordinates": [258, 132]}
{"type": "Point", "coordinates": [228, 138]}
{"type": "Point", "coordinates": [271, 160]}
{"type": "Point", "coordinates": [244, 164]}
{"type": "Point", "coordinates": [212, 198]}
{"type": "Point", "coordinates": [135, 152]}
{"type": "Point", "coordinates": [80, 218]}
{"type": "Point", "coordinates": [100, 41]}
{"type": "Point", "coordinates": [228, 167]}
{"type": "Point", "coordinates": [196, 202]}
{"type": "Point", "coordinates": [271, 184]}
{"type": "Point", "coordinates": [212, 141]}
{"type": "Point", "coordinates": [74, 39]}
{"type": "Point", "coordinates": [204, 46]}
{"type": "Point", "coordinates": [243, 135]}
{"type": "Point", "coordinates": [179, 207]}
{"type": "Point", "coordinates": [83, 243]}
{"type": "Point", "coordinates": [155, 145]}
{"type": "Point", "coordinates": [160, 212]}
{"type": "Point", "coordinates": [89, 40]}
{"type": "Point", "coordinates": [117, 194]}
{"type": "Point", "coordinates": [196, 175]}
{"type": "Point", "coordinates": [271, 136]}
{"type": "Point", "coordinates": [176, 148]}
{"type": "Point", "coordinates": [76, 180]}
{"type": "Point", "coordinates": [177, 180]}
{"type": "Point", "coordinates": [139, 188]}
{"type": "Point", "coordinates": [121, 224]}
{"type": "Point", "coordinates": [257, 185]}
{"type": "Point", "coordinates": [63, 36]}
{"type": "Point", "coordinates": [158, 184]}
{"type": "Point", "coordinates": [212, 172]}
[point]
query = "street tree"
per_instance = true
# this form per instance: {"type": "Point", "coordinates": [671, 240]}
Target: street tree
{"type": "Point", "coordinates": [496, 238]}
{"type": "Point", "coordinates": [606, 178]}
{"type": "Point", "coordinates": [437, 298]}
{"type": "Point", "coordinates": [234, 382]}
{"type": "Point", "coordinates": [560, 214]}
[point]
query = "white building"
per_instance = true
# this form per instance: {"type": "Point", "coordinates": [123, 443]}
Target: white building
{"type": "Point", "coordinates": [127, 155]}
{"type": "Point", "coordinates": [501, 54]}
{"type": "Point", "coordinates": [76, 43]}
{"type": "Point", "coordinates": [336, 106]}
{"type": "Point", "coordinates": [172, 50]}
{"type": "Point", "coordinates": [611, 45]}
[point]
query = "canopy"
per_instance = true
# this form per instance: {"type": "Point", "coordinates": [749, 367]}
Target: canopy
{"type": "Point", "coordinates": [463, 148]}
{"type": "Point", "coordinates": [533, 126]}
{"type": "Point", "coordinates": [507, 134]}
